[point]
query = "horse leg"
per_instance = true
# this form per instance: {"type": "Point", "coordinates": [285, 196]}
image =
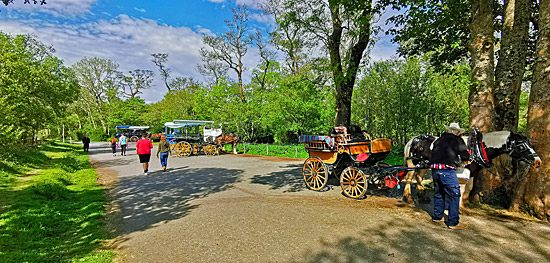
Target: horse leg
{"type": "Point", "coordinates": [407, 195]}
{"type": "Point", "coordinates": [420, 187]}
{"type": "Point", "coordinates": [234, 147]}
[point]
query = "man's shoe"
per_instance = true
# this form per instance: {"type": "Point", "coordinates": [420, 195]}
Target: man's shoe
{"type": "Point", "coordinates": [438, 220]}
{"type": "Point", "coordinates": [460, 226]}
{"type": "Point", "coordinates": [164, 168]}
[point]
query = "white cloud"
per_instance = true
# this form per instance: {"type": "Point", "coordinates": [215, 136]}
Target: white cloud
{"type": "Point", "coordinates": [55, 7]}
{"type": "Point", "coordinates": [216, 1]}
{"type": "Point", "coordinates": [251, 3]}
{"type": "Point", "coordinates": [140, 9]}
{"type": "Point", "coordinates": [126, 40]}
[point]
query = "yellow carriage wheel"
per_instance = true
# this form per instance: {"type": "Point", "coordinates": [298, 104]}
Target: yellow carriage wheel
{"type": "Point", "coordinates": [183, 149]}
{"type": "Point", "coordinates": [315, 173]}
{"type": "Point", "coordinates": [353, 182]}
{"type": "Point", "coordinates": [210, 150]}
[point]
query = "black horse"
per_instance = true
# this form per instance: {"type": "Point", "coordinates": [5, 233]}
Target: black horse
{"type": "Point", "coordinates": [483, 147]}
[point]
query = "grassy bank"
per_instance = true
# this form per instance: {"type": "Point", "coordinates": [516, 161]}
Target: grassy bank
{"type": "Point", "coordinates": [51, 207]}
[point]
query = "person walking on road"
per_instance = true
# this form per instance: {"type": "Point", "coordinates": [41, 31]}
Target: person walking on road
{"type": "Point", "coordinates": [123, 142]}
{"type": "Point", "coordinates": [113, 144]}
{"type": "Point", "coordinates": [163, 150]}
{"type": "Point", "coordinates": [86, 143]}
{"type": "Point", "coordinates": [143, 149]}
{"type": "Point", "coordinates": [447, 154]}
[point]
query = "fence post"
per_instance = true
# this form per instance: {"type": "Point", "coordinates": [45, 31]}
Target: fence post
{"type": "Point", "coordinates": [267, 149]}
{"type": "Point", "coordinates": [244, 146]}
{"type": "Point", "coordinates": [296, 150]}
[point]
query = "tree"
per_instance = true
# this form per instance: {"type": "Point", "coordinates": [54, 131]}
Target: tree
{"type": "Point", "coordinates": [231, 47]}
{"type": "Point", "coordinates": [288, 37]}
{"type": "Point", "coordinates": [159, 59]}
{"type": "Point", "coordinates": [35, 86]}
{"type": "Point", "coordinates": [99, 79]}
{"type": "Point", "coordinates": [512, 60]}
{"type": "Point", "coordinates": [346, 37]}
{"type": "Point", "coordinates": [481, 47]}
{"type": "Point", "coordinates": [437, 27]}
{"type": "Point", "coordinates": [136, 82]}
{"type": "Point", "coordinates": [533, 195]}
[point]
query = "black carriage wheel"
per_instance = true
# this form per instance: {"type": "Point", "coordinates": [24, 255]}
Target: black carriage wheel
{"type": "Point", "coordinates": [315, 173]}
{"type": "Point", "coordinates": [134, 139]}
{"type": "Point", "coordinates": [353, 182]}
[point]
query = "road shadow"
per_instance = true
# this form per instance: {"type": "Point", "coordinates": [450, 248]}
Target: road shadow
{"type": "Point", "coordinates": [146, 200]}
{"type": "Point", "coordinates": [401, 240]}
{"type": "Point", "coordinates": [290, 178]}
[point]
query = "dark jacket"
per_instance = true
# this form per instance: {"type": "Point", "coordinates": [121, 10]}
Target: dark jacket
{"type": "Point", "coordinates": [447, 150]}
{"type": "Point", "coordinates": [86, 140]}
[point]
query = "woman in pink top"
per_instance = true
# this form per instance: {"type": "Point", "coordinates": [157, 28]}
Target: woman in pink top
{"type": "Point", "coordinates": [143, 148]}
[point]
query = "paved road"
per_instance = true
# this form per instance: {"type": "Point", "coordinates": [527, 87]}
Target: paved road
{"type": "Point", "coordinates": [255, 209]}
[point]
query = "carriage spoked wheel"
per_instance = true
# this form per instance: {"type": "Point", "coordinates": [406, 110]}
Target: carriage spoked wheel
{"type": "Point", "coordinates": [315, 173]}
{"type": "Point", "coordinates": [134, 139]}
{"type": "Point", "coordinates": [210, 150]}
{"type": "Point", "coordinates": [353, 182]}
{"type": "Point", "coordinates": [184, 149]}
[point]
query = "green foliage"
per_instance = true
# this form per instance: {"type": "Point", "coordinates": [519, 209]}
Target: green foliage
{"type": "Point", "coordinates": [36, 88]}
{"type": "Point", "coordinates": [432, 26]}
{"type": "Point", "coordinates": [57, 218]}
{"type": "Point", "coordinates": [126, 112]}
{"type": "Point", "coordinates": [401, 99]}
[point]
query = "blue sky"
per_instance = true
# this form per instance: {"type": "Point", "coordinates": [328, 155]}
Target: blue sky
{"type": "Point", "coordinates": [128, 31]}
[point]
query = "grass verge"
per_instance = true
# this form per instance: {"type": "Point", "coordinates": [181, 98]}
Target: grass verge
{"type": "Point", "coordinates": [53, 214]}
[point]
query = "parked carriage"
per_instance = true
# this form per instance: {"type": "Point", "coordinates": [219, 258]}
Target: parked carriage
{"type": "Point", "coordinates": [353, 158]}
{"type": "Point", "coordinates": [132, 132]}
{"type": "Point", "coordinates": [189, 137]}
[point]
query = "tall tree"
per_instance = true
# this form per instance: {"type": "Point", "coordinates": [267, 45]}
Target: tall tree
{"type": "Point", "coordinates": [481, 49]}
{"type": "Point", "coordinates": [99, 79]}
{"type": "Point", "coordinates": [159, 59]}
{"type": "Point", "coordinates": [534, 190]}
{"type": "Point", "coordinates": [231, 47]}
{"type": "Point", "coordinates": [344, 27]}
{"type": "Point", "coordinates": [35, 88]}
{"type": "Point", "coordinates": [512, 60]}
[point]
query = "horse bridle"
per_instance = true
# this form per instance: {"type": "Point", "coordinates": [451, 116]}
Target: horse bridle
{"type": "Point", "coordinates": [523, 148]}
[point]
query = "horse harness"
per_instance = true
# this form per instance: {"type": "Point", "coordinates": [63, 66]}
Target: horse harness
{"type": "Point", "coordinates": [419, 146]}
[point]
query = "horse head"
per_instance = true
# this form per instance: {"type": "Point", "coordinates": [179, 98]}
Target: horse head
{"type": "Point", "coordinates": [518, 147]}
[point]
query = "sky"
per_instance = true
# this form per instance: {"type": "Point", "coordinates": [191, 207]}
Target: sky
{"type": "Point", "coordinates": [129, 31]}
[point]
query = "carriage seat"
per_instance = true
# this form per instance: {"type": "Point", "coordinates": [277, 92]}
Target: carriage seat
{"type": "Point", "coordinates": [349, 134]}
{"type": "Point", "coordinates": [318, 141]}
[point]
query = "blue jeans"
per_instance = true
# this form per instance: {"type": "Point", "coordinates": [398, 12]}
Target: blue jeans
{"type": "Point", "coordinates": [446, 189]}
{"type": "Point", "coordinates": [164, 159]}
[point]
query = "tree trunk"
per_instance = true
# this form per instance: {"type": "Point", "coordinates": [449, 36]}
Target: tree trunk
{"type": "Point", "coordinates": [534, 191]}
{"type": "Point", "coordinates": [482, 51]}
{"type": "Point", "coordinates": [511, 64]}
{"type": "Point", "coordinates": [344, 79]}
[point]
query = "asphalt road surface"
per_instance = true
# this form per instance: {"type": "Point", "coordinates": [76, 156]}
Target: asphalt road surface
{"type": "Point", "coordinates": [235, 208]}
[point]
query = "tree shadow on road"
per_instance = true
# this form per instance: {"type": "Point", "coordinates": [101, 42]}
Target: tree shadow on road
{"type": "Point", "coordinates": [290, 179]}
{"type": "Point", "coordinates": [157, 197]}
{"type": "Point", "coordinates": [403, 240]}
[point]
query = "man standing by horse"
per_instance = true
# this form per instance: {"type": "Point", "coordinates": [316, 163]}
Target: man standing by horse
{"type": "Point", "coordinates": [447, 154]}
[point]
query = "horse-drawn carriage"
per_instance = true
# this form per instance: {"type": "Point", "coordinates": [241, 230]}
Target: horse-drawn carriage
{"type": "Point", "coordinates": [352, 157]}
{"type": "Point", "coordinates": [132, 132]}
{"type": "Point", "coordinates": [189, 137]}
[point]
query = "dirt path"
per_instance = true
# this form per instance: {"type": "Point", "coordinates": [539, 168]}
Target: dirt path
{"type": "Point", "coordinates": [236, 209]}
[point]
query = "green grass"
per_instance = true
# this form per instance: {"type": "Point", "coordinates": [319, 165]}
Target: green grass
{"type": "Point", "coordinates": [55, 215]}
